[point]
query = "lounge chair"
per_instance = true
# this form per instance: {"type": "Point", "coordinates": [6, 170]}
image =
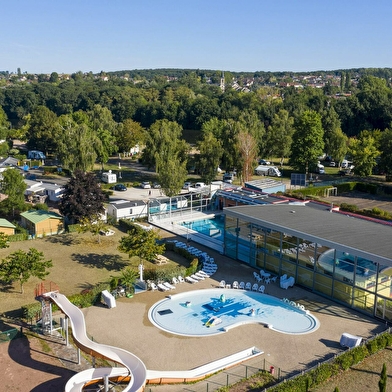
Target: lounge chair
{"type": "Point", "coordinates": [200, 276]}
{"type": "Point", "coordinates": [255, 287]}
{"type": "Point", "coordinates": [169, 286]}
{"type": "Point", "coordinates": [181, 279]}
{"type": "Point", "coordinates": [162, 287]}
{"type": "Point", "coordinates": [175, 280]}
{"type": "Point", "coordinates": [261, 289]}
{"type": "Point", "coordinates": [203, 273]}
{"type": "Point", "coordinates": [235, 285]}
{"type": "Point", "coordinates": [242, 286]}
{"type": "Point", "coordinates": [222, 284]}
{"type": "Point", "coordinates": [153, 286]}
{"type": "Point", "coordinates": [197, 277]}
{"type": "Point", "coordinates": [189, 279]}
{"type": "Point", "coordinates": [248, 286]}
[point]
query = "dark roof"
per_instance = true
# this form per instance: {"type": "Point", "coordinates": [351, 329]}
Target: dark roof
{"type": "Point", "coordinates": [120, 204]}
{"type": "Point", "coordinates": [317, 223]}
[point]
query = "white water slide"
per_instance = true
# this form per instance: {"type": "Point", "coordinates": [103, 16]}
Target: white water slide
{"type": "Point", "coordinates": [134, 369]}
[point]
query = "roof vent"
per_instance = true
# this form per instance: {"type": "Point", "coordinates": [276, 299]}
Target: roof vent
{"type": "Point", "coordinates": [292, 211]}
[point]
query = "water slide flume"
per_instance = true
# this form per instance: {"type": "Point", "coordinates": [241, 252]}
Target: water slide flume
{"type": "Point", "coordinates": [134, 371]}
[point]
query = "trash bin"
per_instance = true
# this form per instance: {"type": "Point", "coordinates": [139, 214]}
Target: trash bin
{"type": "Point", "coordinates": [272, 369]}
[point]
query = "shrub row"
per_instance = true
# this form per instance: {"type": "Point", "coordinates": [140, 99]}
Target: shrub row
{"type": "Point", "coordinates": [341, 363]}
{"type": "Point", "coordinates": [85, 299]}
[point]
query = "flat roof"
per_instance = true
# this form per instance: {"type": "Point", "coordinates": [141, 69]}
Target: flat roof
{"type": "Point", "coordinates": [317, 223]}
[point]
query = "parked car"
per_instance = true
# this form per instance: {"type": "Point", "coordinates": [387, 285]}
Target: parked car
{"type": "Point", "coordinates": [187, 185]}
{"type": "Point", "coordinates": [146, 185]}
{"type": "Point", "coordinates": [264, 162]}
{"type": "Point", "coordinates": [332, 164]}
{"type": "Point", "coordinates": [119, 187]}
{"type": "Point", "coordinates": [156, 185]}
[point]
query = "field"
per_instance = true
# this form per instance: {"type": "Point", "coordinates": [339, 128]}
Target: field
{"type": "Point", "coordinates": [79, 262]}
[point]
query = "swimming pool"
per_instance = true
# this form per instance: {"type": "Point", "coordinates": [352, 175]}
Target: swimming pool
{"type": "Point", "coordinates": [215, 311]}
{"type": "Point", "coordinates": [213, 227]}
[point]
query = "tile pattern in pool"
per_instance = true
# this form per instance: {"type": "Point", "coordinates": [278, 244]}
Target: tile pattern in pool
{"type": "Point", "coordinates": [214, 311]}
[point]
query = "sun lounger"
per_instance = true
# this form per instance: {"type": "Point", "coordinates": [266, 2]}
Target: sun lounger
{"type": "Point", "coordinates": [222, 284]}
{"type": "Point", "coordinates": [203, 273]}
{"type": "Point", "coordinates": [242, 286]}
{"type": "Point", "coordinates": [162, 287]}
{"type": "Point", "coordinates": [169, 286]}
{"type": "Point", "coordinates": [153, 286]}
{"type": "Point", "coordinates": [261, 289]}
{"type": "Point", "coordinates": [181, 279]}
{"type": "Point", "coordinates": [197, 277]}
{"type": "Point", "coordinates": [248, 286]}
{"type": "Point", "coordinates": [255, 287]}
{"type": "Point", "coordinates": [235, 285]}
{"type": "Point", "coordinates": [175, 280]}
{"type": "Point", "coordinates": [189, 279]}
{"type": "Point", "coordinates": [200, 276]}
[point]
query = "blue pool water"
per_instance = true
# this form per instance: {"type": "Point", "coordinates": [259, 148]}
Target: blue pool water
{"type": "Point", "coordinates": [205, 312]}
{"type": "Point", "coordinates": [213, 227]}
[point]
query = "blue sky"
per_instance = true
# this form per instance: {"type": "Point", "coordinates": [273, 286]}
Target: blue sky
{"type": "Point", "coordinates": [43, 36]}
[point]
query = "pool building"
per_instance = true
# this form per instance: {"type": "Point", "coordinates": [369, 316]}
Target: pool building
{"type": "Point", "coordinates": [342, 257]}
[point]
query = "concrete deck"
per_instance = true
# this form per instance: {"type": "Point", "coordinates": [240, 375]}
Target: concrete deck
{"type": "Point", "coordinates": [127, 326]}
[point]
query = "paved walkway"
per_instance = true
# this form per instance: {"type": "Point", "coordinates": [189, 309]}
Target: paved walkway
{"type": "Point", "coordinates": [127, 326]}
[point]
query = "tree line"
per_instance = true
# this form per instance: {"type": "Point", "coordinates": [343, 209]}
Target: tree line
{"type": "Point", "coordinates": [85, 120]}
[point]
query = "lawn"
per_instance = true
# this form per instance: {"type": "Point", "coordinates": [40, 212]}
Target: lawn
{"type": "Point", "coordinates": [79, 262]}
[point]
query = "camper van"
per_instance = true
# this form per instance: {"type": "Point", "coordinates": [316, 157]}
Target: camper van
{"type": "Point", "coordinates": [272, 171]}
{"type": "Point", "coordinates": [109, 177]}
{"type": "Point", "coordinates": [34, 154]}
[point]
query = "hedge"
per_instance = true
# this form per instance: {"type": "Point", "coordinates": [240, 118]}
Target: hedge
{"type": "Point", "coordinates": [340, 364]}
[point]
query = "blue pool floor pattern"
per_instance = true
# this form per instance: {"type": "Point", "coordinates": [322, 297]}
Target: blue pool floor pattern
{"type": "Point", "coordinates": [189, 313]}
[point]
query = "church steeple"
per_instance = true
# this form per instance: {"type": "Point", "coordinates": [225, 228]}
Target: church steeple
{"type": "Point", "coordinates": [222, 82]}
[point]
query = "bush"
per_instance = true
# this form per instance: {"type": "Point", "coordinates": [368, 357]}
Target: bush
{"type": "Point", "coordinates": [348, 207]}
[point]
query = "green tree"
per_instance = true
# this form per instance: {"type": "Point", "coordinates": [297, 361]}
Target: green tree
{"type": "Point", "coordinates": [14, 187]}
{"type": "Point", "coordinates": [386, 154]}
{"type": "Point", "coordinates": [82, 199]}
{"type": "Point", "coordinates": [338, 144]}
{"type": "Point", "coordinates": [382, 383]}
{"type": "Point", "coordinates": [103, 125]}
{"type": "Point", "coordinates": [21, 266]}
{"type": "Point", "coordinates": [164, 142]}
{"type": "Point", "coordinates": [128, 278]}
{"type": "Point", "coordinates": [128, 134]}
{"type": "Point", "coordinates": [172, 174]}
{"type": "Point", "coordinates": [54, 77]}
{"type": "Point", "coordinates": [364, 151]}
{"type": "Point", "coordinates": [78, 143]}
{"type": "Point", "coordinates": [211, 152]}
{"type": "Point", "coordinates": [4, 242]}
{"type": "Point", "coordinates": [141, 243]}
{"type": "Point", "coordinates": [308, 143]}
{"type": "Point", "coordinates": [280, 135]}
{"type": "Point", "coordinates": [42, 130]}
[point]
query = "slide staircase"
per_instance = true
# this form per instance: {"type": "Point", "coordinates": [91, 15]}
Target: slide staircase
{"type": "Point", "coordinates": [133, 371]}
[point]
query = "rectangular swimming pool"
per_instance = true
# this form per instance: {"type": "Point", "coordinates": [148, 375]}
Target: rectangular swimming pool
{"type": "Point", "coordinates": [213, 227]}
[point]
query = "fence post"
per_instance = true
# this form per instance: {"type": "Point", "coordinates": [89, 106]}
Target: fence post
{"type": "Point", "coordinates": [227, 379]}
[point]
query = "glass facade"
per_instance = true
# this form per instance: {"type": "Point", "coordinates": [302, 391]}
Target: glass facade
{"type": "Point", "coordinates": [344, 277]}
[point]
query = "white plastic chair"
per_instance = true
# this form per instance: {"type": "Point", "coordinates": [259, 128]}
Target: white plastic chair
{"type": "Point", "coordinates": [261, 289]}
{"type": "Point", "coordinates": [222, 284]}
{"type": "Point", "coordinates": [235, 285]}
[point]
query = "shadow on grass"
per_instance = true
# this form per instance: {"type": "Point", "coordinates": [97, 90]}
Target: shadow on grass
{"type": "Point", "coordinates": [108, 262]}
{"type": "Point", "coordinates": [64, 239]}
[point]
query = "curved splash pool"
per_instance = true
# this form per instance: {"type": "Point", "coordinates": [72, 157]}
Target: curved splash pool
{"type": "Point", "coordinates": [214, 311]}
